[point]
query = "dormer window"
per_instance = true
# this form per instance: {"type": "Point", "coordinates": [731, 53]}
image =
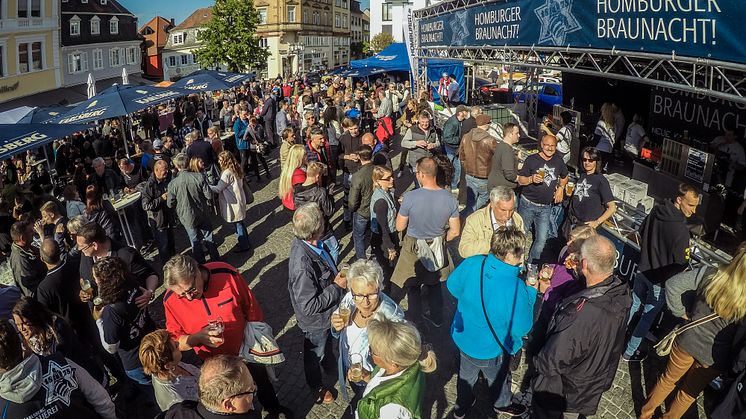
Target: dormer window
{"type": "Point", "coordinates": [178, 38]}
{"type": "Point", "coordinates": [95, 25]}
{"type": "Point", "coordinates": [75, 26]}
{"type": "Point", "coordinates": [114, 26]}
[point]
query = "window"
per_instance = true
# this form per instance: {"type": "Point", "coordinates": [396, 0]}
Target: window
{"type": "Point", "coordinates": [23, 9]}
{"type": "Point", "coordinates": [115, 58]}
{"type": "Point", "coordinates": [337, 20]}
{"type": "Point", "coordinates": [2, 65]}
{"type": "Point", "coordinates": [98, 59]}
{"type": "Point", "coordinates": [29, 57]}
{"type": "Point", "coordinates": [263, 43]}
{"type": "Point", "coordinates": [184, 59]}
{"type": "Point", "coordinates": [172, 61]}
{"type": "Point", "coordinates": [326, 19]}
{"type": "Point", "coordinates": [316, 16]}
{"type": "Point", "coordinates": [114, 26]}
{"type": "Point", "coordinates": [262, 15]}
{"type": "Point", "coordinates": [386, 12]}
{"type": "Point", "coordinates": [74, 27]}
{"type": "Point", "coordinates": [132, 55]}
{"type": "Point", "coordinates": [344, 21]}
{"type": "Point", "coordinates": [178, 38]}
{"type": "Point", "coordinates": [35, 8]}
{"type": "Point", "coordinates": [95, 25]}
{"type": "Point", "coordinates": [339, 3]}
{"type": "Point", "coordinates": [77, 62]}
{"type": "Point", "coordinates": [291, 13]}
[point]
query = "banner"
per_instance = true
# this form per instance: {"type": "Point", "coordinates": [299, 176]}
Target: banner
{"type": "Point", "coordinates": [697, 28]}
{"type": "Point", "coordinates": [704, 117]}
{"type": "Point", "coordinates": [627, 255]}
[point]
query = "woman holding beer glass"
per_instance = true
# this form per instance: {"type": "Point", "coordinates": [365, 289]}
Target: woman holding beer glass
{"type": "Point", "coordinates": [592, 202]}
{"type": "Point", "coordinates": [350, 323]}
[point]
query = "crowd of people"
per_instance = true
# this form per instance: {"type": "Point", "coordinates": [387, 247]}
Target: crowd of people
{"type": "Point", "coordinates": [514, 238]}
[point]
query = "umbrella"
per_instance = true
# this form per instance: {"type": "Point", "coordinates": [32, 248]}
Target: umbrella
{"type": "Point", "coordinates": [45, 114]}
{"type": "Point", "coordinates": [91, 86]}
{"type": "Point", "coordinates": [125, 77]}
{"type": "Point", "coordinates": [119, 100]}
{"type": "Point", "coordinates": [14, 115]}
{"type": "Point", "coordinates": [212, 80]}
{"type": "Point", "coordinates": [17, 138]}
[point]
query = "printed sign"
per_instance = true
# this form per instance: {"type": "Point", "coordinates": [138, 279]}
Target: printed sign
{"type": "Point", "coordinates": [697, 28]}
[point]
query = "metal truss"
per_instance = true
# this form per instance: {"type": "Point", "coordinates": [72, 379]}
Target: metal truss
{"type": "Point", "coordinates": [697, 75]}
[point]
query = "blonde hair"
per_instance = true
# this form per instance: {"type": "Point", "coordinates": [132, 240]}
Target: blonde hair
{"type": "Point", "coordinates": [398, 343]}
{"type": "Point", "coordinates": [580, 234]}
{"type": "Point", "coordinates": [155, 352]}
{"type": "Point", "coordinates": [295, 158]}
{"type": "Point", "coordinates": [228, 162]}
{"type": "Point", "coordinates": [194, 164]}
{"type": "Point", "coordinates": [607, 114]}
{"type": "Point", "coordinates": [725, 290]}
{"type": "Point", "coordinates": [378, 173]}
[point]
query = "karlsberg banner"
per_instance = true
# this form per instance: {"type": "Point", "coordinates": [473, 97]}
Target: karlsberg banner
{"type": "Point", "coordinates": [698, 28]}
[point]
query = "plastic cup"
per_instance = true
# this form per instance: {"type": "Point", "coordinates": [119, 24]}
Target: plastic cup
{"type": "Point", "coordinates": [344, 313]}
{"type": "Point", "coordinates": [532, 274]}
{"type": "Point", "coordinates": [343, 269]}
{"type": "Point", "coordinates": [356, 368]}
{"type": "Point", "coordinates": [541, 172]}
{"type": "Point", "coordinates": [570, 188]}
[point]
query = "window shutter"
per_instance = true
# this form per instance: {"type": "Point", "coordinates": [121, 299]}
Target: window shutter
{"type": "Point", "coordinates": [70, 65]}
{"type": "Point", "coordinates": [84, 61]}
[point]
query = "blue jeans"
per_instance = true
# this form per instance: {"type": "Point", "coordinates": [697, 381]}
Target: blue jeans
{"type": "Point", "coordinates": [317, 354]}
{"type": "Point", "coordinates": [477, 194]}
{"type": "Point", "coordinates": [202, 234]}
{"type": "Point", "coordinates": [496, 372]}
{"type": "Point", "coordinates": [537, 216]}
{"type": "Point", "coordinates": [452, 155]}
{"type": "Point", "coordinates": [360, 225]}
{"type": "Point", "coordinates": [346, 182]}
{"type": "Point", "coordinates": [242, 234]}
{"type": "Point", "coordinates": [652, 298]}
{"type": "Point", "coordinates": [332, 246]}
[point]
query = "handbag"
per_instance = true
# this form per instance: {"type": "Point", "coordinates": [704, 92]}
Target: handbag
{"type": "Point", "coordinates": [247, 192]}
{"type": "Point", "coordinates": [259, 345]}
{"type": "Point", "coordinates": [432, 255]}
{"type": "Point", "coordinates": [484, 309]}
{"type": "Point", "coordinates": [663, 347]}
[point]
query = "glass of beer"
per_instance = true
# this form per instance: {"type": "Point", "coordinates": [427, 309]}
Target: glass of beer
{"type": "Point", "coordinates": [216, 325]}
{"type": "Point", "coordinates": [98, 302]}
{"type": "Point", "coordinates": [546, 272]}
{"type": "Point", "coordinates": [344, 312]}
{"type": "Point", "coordinates": [541, 172]}
{"type": "Point", "coordinates": [569, 188]}
{"type": "Point", "coordinates": [532, 274]}
{"type": "Point", "coordinates": [343, 269]}
{"type": "Point", "coordinates": [356, 368]}
{"type": "Point", "coordinates": [86, 286]}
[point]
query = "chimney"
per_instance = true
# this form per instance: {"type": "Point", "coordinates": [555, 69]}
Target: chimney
{"type": "Point", "coordinates": [173, 22]}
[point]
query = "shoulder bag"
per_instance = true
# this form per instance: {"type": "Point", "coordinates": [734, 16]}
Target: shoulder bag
{"type": "Point", "coordinates": [663, 347]}
{"type": "Point", "coordinates": [484, 309]}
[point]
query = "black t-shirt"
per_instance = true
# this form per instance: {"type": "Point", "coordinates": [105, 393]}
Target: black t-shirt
{"type": "Point", "coordinates": [589, 199]}
{"type": "Point", "coordinates": [126, 324]}
{"type": "Point", "coordinates": [555, 169]}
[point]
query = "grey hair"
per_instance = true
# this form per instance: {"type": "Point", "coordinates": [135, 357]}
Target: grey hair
{"type": "Point", "coordinates": [97, 161]}
{"type": "Point", "coordinates": [366, 272]}
{"type": "Point", "coordinates": [178, 269]}
{"type": "Point", "coordinates": [475, 110]}
{"type": "Point", "coordinates": [398, 343]}
{"type": "Point", "coordinates": [180, 161]}
{"type": "Point", "coordinates": [221, 377]}
{"type": "Point", "coordinates": [501, 194]}
{"type": "Point", "coordinates": [308, 221]}
{"type": "Point", "coordinates": [599, 254]}
{"type": "Point", "coordinates": [192, 136]}
{"type": "Point", "coordinates": [75, 223]}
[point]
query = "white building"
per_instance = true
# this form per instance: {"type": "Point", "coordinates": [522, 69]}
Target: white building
{"type": "Point", "coordinates": [178, 55]}
{"type": "Point", "coordinates": [391, 16]}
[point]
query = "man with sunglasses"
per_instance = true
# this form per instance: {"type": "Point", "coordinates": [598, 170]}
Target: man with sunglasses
{"type": "Point", "coordinates": [226, 389]}
{"type": "Point", "coordinates": [197, 297]}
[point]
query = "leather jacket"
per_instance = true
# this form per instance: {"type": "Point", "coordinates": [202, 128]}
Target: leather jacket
{"type": "Point", "coordinates": [475, 152]}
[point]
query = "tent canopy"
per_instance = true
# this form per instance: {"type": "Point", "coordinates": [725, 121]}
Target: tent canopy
{"type": "Point", "coordinates": [209, 80]}
{"type": "Point", "coordinates": [17, 138]}
{"type": "Point", "coordinates": [392, 58]}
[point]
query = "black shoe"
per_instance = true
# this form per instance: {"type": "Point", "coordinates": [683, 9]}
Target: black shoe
{"type": "Point", "coordinates": [432, 321]}
{"type": "Point", "coordinates": [514, 410]}
{"type": "Point", "coordinates": [636, 357]}
{"type": "Point", "coordinates": [240, 250]}
{"type": "Point", "coordinates": [348, 226]}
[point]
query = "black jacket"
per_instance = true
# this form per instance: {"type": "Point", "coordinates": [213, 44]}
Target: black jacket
{"type": "Point", "coordinates": [349, 145]}
{"type": "Point", "coordinates": [189, 409]}
{"type": "Point", "coordinates": [584, 342]}
{"type": "Point", "coordinates": [28, 270]}
{"type": "Point", "coordinates": [361, 190]}
{"type": "Point", "coordinates": [313, 293]}
{"type": "Point", "coordinates": [139, 268]}
{"type": "Point", "coordinates": [664, 243]}
{"type": "Point", "coordinates": [318, 194]}
{"type": "Point", "coordinates": [156, 207]}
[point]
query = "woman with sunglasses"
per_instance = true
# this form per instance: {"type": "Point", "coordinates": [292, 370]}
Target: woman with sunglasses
{"type": "Point", "coordinates": [384, 238]}
{"type": "Point", "coordinates": [592, 202]}
{"type": "Point", "coordinates": [363, 299]}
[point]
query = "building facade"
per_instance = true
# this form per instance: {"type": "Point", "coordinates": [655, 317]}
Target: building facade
{"type": "Point", "coordinates": [366, 25]}
{"type": "Point", "coordinates": [155, 34]}
{"type": "Point", "coordinates": [341, 33]}
{"type": "Point", "coordinates": [178, 55]}
{"type": "Point", "coordinates": [356, 30]}
{"type": "Point", "coordinates": [29, 47]}
{"type": "Point", "coordinates": [391, 16]}
{"type": "Point", "coordinates": [98, 37]}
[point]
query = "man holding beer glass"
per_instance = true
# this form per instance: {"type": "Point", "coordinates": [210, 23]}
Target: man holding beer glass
{"type": "Point", "coordinates": [543, 177]}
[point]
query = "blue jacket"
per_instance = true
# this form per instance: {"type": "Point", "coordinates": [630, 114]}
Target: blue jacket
{"type": "Point", "coordinates": [509, 303]}
{"type": "Point", "coordinates": [239, 129]}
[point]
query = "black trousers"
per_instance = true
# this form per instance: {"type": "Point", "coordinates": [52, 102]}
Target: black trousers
{"type": "Point", "coordinates": [265, 391]}
{"type": "Point", "coordinates": [255, 159]}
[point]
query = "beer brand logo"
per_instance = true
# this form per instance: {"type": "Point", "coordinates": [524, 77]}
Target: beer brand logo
{"type": "Point", "coordinates": [142, 92]}
{"type": "Point", "coordinates": [59, 383]}
{"type": "Point", "coordinates": [92, 104]}
{"type": "Point", "coordinates": [557, 21]}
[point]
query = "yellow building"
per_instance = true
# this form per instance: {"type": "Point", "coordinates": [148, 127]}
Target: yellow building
{"type": "Point", "coordinates": [29, 48]}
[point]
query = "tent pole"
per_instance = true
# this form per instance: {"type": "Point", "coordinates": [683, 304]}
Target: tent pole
{"type": "Point", "coordinates": [49, 166]}
{"type": "Point", "coordinates": [124, 136]}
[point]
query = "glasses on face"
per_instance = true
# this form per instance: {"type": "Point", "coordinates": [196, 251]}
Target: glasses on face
{"type": "Point", "coordinates": [386, 179]}
{"type": "Point", "coordinates": [190, 292]}
{"type": "Point", "coordinates": [252, 393]}
{"type": "Point", "coordinates": [365, 297]}
{"type": "Point", "coordinates": [86, 247]}
{"type": "Point", "coordinates": [588, 160]}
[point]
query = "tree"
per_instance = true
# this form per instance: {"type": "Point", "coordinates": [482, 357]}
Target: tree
{"type": "Point", "coordinates": [230, 37]}
{"type": "Point", "coordinates": [380, 42]}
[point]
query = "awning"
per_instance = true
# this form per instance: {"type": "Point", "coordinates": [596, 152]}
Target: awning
{"type": "Point", "coordinates": [17, 138]}
{"type": "Point", "coordinates": [70, 95]}
{"type": "Point", "coordinates": [45, 113]}
{"type": "Point", "coordinates": [392, 58]}
{"type": "Point", "coordinates": [211, 80]}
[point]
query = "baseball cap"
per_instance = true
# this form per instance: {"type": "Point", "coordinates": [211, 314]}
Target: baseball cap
{"type": "Point", "coordinates": [157, 144]}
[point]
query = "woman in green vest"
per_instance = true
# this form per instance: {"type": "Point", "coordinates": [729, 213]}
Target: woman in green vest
{"type": "Point", "coordinates": [396, 385]}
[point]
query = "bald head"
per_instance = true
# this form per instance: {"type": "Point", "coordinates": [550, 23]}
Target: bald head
{"type": "Point", "coordinates": [368, 139]}
{"type": "Point", "coordinates": [221, 378]}
{"type": "Point", "coordinates": [599, 257]}
{"type": "Point", "coordinates": [50, 252]}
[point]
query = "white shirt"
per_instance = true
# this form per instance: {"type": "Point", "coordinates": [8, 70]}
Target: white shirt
{"type": "Point", "coordinates": [564, 135]}
{"type": "Point", "coordinates": [391, 410]}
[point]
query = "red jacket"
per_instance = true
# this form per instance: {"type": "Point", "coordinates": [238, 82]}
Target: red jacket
{"type": "Point", "coordinates": [226, 295]}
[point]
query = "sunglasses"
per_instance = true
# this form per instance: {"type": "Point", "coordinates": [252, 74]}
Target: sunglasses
{"type": "Point", "coordinates": [588, 160]}
{"type": "Point", "coordinates": [386, 179]}
{"type": "Point", "coordinates": [189, 292]}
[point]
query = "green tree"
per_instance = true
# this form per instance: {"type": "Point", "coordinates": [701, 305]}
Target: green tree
{"type": "Point", "coordinates": [230, 37]}
{"type": "Point", "coordinates": [380, 42]}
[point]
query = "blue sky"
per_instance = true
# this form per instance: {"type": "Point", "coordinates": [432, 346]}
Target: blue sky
{"type": "Point", "coordinates": [177, 9]}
